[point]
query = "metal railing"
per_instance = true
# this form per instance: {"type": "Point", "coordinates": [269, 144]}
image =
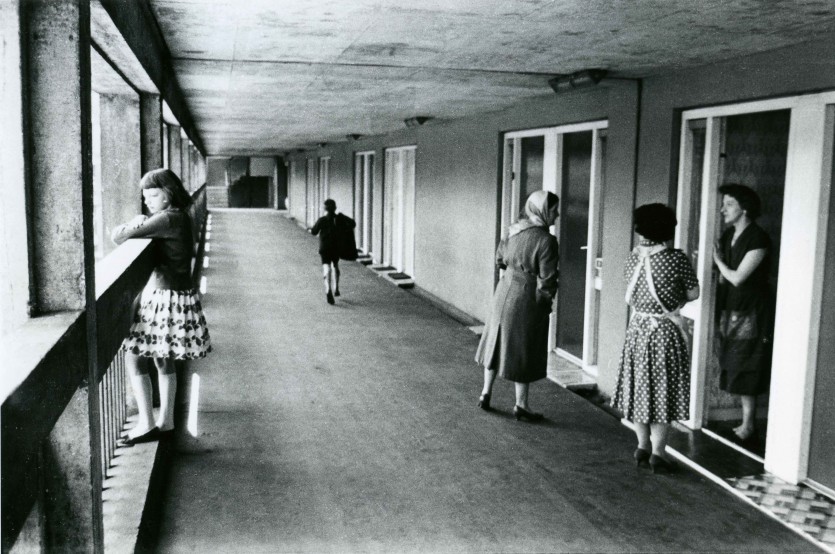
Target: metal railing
{"type": "Point", "coordinates": [114, 413]}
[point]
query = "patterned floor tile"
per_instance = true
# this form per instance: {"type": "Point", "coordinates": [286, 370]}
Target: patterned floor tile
{"type": "Point", "coordinates": [798, 505]}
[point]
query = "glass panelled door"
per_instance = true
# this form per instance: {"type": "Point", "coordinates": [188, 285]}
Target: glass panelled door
{"type": "Point", "coordinates": [575, 171]}
{"type": "Point", "coordinates": [567, 161]}
{"type": "Point", "coordinates": [782, 150]}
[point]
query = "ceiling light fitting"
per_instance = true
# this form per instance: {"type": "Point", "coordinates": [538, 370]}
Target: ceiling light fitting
{"type": "Point", "coordinates": [416, 121]}
{"type": "Point", "coordinates": [578, 79]}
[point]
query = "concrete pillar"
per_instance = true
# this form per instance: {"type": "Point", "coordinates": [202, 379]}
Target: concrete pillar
{"type": "Point", "coordinates": [70, 523]}
{"type": "Point", "coordinates": [60, 148]}
{"type": "Point", "coordinates": [14, 253]}
{"type": "Point", "coordinates": [197, 168]}
{"type": "Point", "coordinates": [184, 160]}
{"type": "Point", "coordinates": [120, 162]}
{"type": "Point", "coordinates": [174, 157]}
{"type": "Point", "coordinates": [58, 113]}
{"type": "Point", "coordinates": [150, 130]}
{"type": "Point", "coordinates": [192, 166]}
{"type": "Point", "coordinates": [618, 201]}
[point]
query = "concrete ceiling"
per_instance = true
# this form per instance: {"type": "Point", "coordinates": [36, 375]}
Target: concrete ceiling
{"type": "Point", "coordinates": [267, 76]}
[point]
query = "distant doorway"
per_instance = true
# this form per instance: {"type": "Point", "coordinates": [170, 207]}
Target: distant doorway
{"type": "Point", "coordinates": [323, 186]}
{"type": "Point", "coordinates": [399, 214]}
{"type": "Point", "coordinates": [311, 195]}
{"type": "Point", "coordinates": [363, 194]}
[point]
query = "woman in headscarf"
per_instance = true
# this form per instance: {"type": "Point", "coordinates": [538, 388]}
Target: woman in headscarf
{"type": "Point", "coordinates": [515, 340]}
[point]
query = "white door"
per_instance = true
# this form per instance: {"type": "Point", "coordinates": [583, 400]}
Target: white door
{"type": "Point", "coordinates": [399, 214]}
{"type": "Point", "coordinates": [363, 191]}
{"type": "Point", "coordinates": [323, 184]}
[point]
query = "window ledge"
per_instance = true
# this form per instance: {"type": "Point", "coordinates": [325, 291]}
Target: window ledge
{"type": "Point", "coordinates": [24, 347]}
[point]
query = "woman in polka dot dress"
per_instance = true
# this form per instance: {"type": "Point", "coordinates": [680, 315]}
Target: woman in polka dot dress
{"type": "Point", "coordinates": [653, 385]}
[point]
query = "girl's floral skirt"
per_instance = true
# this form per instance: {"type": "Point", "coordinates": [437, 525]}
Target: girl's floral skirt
{"type": "Point", "coordinates": [169, 324]}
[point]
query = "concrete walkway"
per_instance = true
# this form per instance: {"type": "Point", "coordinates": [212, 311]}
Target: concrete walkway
{"type": "Point", "coordinates": [354, 428]}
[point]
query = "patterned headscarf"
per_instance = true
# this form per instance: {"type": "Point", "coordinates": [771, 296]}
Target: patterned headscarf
{"type": "Point", "coordinates": [536, 212]}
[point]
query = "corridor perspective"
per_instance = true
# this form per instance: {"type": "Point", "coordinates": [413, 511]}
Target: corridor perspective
{"type": "Point", "coordinates": [354, 428]}
{"type": "Point", "coordinates": [162, 160]}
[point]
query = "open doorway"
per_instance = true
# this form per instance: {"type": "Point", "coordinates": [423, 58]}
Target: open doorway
{"type": "Point", "coordinates": [363, 198]}
{"type": "Point", "coordinates": [778, 149]}
{"type": "Point", "coordinates": [399, 209]}
{"type": "Point", "coordinates": [568, 161]}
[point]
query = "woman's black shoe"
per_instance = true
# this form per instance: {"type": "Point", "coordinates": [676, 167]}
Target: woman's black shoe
{"type": "Point", "coordinates": [522, 413]}
{"type": "Point", "coordinates": [484, 402]}
{"type": "Point", "coordinates": [660, 465]}
{"type": "Point", "coordinates": [329, 296]}
{"type": "Point", "coordinates": [641, 457]}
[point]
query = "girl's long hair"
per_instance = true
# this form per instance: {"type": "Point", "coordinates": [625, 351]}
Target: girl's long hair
{"type": "Point", "coordinates": [168, 181]}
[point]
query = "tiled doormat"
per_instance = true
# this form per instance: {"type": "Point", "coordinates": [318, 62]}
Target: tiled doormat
{"type": "Point", "coordinates": [797, 505]}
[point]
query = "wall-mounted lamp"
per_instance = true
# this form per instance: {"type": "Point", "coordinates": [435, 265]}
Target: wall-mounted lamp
{"type": "Point", "coordinates": [353, 136]}
{"type": "Point", "coordinates": [416, 121]}
{"type": "Point", "coordinates": [578, 79]}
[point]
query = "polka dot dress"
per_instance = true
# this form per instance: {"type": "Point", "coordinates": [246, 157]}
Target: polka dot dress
{"type": "Point", "coordinates": [654, 373]}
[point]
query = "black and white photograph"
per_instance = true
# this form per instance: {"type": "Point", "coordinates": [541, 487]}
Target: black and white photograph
{"type": "Point", "coordinates": [442, 276]}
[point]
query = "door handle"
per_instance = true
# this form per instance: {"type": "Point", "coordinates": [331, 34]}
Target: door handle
{"type": "Point", "coordinates": [584, 248]}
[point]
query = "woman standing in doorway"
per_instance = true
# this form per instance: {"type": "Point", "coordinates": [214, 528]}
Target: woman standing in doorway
{"type": "Point", "coordinates": [743, 303]}
{"type": "Point", "coordinates": [653, 386]}
{"type": "Point", "coordinates": [515, 339]}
